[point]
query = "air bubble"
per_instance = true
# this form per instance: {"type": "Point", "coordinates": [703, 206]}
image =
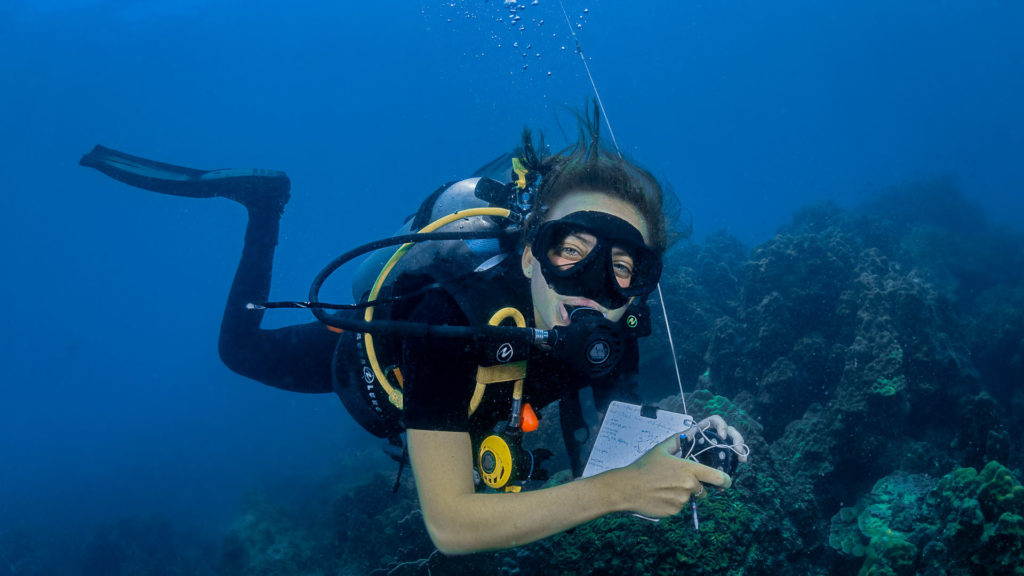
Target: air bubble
{"type": "Point", "coordinates": [549, 73]}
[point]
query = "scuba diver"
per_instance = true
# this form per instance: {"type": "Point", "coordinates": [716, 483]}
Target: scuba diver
{"type": "Point", "coordinates": [534, 289]}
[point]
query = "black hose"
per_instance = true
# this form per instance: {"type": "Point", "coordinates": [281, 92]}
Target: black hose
{"type": "Point", "coordinates": [511, 334]}
{"type": "Point", "coordinates": [333, 265]}
{"type": "Point", "coordinates": [527, 336]}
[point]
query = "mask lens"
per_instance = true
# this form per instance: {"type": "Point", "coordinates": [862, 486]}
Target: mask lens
{"type": "Point", "coordinates": [623, 266]}
{"type": "Point", "coordinates": [596, 255]}
{"type": "Point", "coordinates": [645, 272]}
{"type": "Point", "coordinates": [569, 247]}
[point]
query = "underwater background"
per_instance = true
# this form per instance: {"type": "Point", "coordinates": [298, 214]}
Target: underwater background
{"type": "Point", "coordinates": [852, 296]}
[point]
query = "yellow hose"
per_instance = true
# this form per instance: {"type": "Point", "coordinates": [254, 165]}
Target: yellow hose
{"type": "Point", "coordinates": [394, 395]}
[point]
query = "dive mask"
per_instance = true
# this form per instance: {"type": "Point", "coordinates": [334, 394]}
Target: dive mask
{"type": "Point", "coordinates": [597, 256]}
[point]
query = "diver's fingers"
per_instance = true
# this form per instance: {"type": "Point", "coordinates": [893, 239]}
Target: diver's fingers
{"type": "Point", "coordinates": [708, 475]}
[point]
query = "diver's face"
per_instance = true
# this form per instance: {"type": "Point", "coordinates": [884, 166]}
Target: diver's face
{"type": "Point", "coordinates": [549, 307]}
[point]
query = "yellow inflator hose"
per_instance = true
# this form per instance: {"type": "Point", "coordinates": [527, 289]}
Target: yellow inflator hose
{"type": "Point", "coordinates": [395, 395]}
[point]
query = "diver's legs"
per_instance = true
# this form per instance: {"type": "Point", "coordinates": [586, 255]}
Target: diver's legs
{"type": "Point", "coordinates": [294, 357]}
{"type": "Point", "coordinates": [239, 324]}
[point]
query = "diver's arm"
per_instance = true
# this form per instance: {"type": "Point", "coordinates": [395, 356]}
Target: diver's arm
{"type": "Point", "coordinates": [460, 521]}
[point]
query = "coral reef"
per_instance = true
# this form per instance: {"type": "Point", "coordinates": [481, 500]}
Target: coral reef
{"type": "Point", "coordinates": [701, 288]}
{"type": "Point", "coordinates": [266, 540]}
{"type": "Point", "coordinates": [834, 341]}
{"type": "Point", "coordinates": [967, 522]}
{"type": "Point", "coordinates": [353, 530]}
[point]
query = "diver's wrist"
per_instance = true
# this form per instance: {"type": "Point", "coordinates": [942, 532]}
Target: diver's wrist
{"type": "Point", "coordinates": [612, 491]}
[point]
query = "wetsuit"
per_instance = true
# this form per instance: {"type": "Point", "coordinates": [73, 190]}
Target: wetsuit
{"type": "Point", "coordinates": [296, 358]}
{"type": "Point", "coordinates": [439, 375]}
{"type": "Point", "coordinates": [439, 381]}
{"type": "Point", "coordinates": [310, 358]}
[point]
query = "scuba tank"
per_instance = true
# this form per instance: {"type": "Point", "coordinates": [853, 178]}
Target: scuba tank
{"type": "Point", "coordinates": [476, 192]}
{"type": "Point", "coordinates": [367, 377]}
{"type": "Point", "coordinates": [503, 183]}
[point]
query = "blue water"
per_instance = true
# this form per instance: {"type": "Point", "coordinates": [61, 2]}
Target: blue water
{"type": "Point", "coordinates": [114, 399]}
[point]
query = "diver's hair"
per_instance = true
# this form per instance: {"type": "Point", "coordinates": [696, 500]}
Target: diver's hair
{"type": "Point", "coordinates": [589, 165]}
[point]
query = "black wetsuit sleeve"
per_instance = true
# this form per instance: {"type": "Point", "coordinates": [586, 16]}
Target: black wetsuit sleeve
{"type": "Point", "coordinates": [438, 373]}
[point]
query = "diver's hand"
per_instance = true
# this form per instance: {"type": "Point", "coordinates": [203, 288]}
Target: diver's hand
{"type": "Point", "coordinates": [659, 484]}
{"type": "Point", "coordinates": [725, 431]}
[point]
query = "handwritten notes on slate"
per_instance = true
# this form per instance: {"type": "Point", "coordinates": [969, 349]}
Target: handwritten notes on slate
{"type": "Point", "coordinates": [626, 435]}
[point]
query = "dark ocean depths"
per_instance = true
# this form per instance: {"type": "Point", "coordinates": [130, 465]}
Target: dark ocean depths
{"type": "Point", "coordinates": [870, 346]}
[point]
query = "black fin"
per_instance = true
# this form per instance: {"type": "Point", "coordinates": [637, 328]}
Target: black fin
{"type": "Point", "coordinates": [246, 185]}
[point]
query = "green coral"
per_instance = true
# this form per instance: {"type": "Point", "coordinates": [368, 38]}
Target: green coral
{"type": "Point", "coordinates": [1005, 543]}
{"type": "Point", "coordinates": [965, 522]}
{"type": "Point", "coordinates": [983, 515]}
{"type": "Point", "coordinates": [707, 403]}
{"type": "Point", "coordinates": [877, 527]}
{"type": "Point", "coordinates": [743, 530]}
{"type": "Point", "coordinates": [1000, 490]}
{"type": "Point", "coordinates": [891, 365]}
{"type": "Point", "coordinates": [889, 386]}
{"type": "Point", "coordinates": [628, 545]}
{"type": "Point", "coordinates": [844, 535]}
{"type": "Point", "coordinates": [896, 353]}
{"type": "Point", "coordinates": [889, 555]}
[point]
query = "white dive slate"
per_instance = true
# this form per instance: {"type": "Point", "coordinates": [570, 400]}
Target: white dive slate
{"type": "Point", "coordinates": [627, 434]}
